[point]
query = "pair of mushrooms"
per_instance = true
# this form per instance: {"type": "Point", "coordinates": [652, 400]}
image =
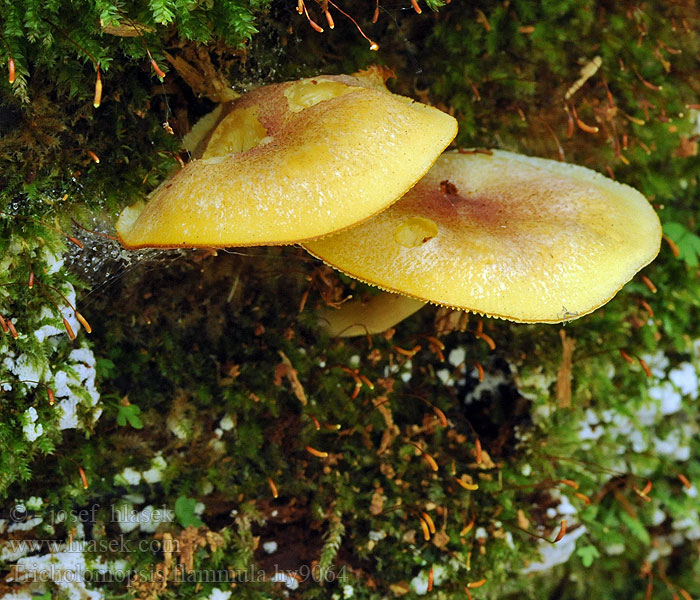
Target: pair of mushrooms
{"type": "Point", "coordinates": [355, 174]}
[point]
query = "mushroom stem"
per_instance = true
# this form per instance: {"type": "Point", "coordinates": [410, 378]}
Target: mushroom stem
{"type": "Point", "coordinates": [359, 318]}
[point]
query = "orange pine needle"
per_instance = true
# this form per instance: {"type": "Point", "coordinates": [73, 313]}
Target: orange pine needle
{"type": "Point", "coordinates": [94, 156]}
{"type": "Point", "coordinates": [467, 528]}
{"type": "Point", "coordinates": [569, 482]}
{"type": "Point", "coordinates": [649, 283]}
{"type": "Point", "coordinates": [477, 449]}
{"type": "Point", "coordinates": [645, 306]}
{"type": "Point", "coordinates": [675, 250]}
{"type": "Point", "coordinates": [469, 594]}
{"type": "Point", "coordinates": [425, 528]}
{"type": "Point", "coordinates": [3, 324]}
{"type": "Point", "coordinates": [415, 6]}
{"type": "Point", "coordinates": [626, 356]}
{"type": "Point", "coordinates": [372, 44]}
{"type": "Point", "coordinates": [570, 124]}
{"type": "Point", "coordinates": [583, 497]}
{"type": "Point", "coordinates": [643, 493]}
{"type": "Point", "coordinates": [440, 415]}
{"type": "Point", "coordinates": [430, 580]}
{"type": "Point", "coordinates": [436, 341]}
{"type": "Point", "coordinates": [644, 146]}
{"type": "Point", "coordinates": [97, 100]}
{"type": "Point", "coordinates": [431, 461]}
{"type": "Point", "coordinates": [273, 487]}
{"type": "Point", "coordinates": [685, 594]}
{"type": "Point", "coordinates": [83, 477]}
{"type": "Point", "coordinates": [49, 394]}
{"type": "Point", "coordinates": [83, 321]}
{"type": "Point", "coordinates": [646, 83]}
{"type": "Point", "coordinates": [645, 367]}
{"type": "Point", "coordinates": [475, 91]}
{"type": "Point", "coordinates": [479, 370]}
{"type": "Point", "coordinates": [476, 584]}
{"type": "Point", "coordinates": [685, 481]}
{"type": "Point", "coordinates": [329, 18]}
{"type": "Point", "coordinates": [157, 69]}
{"type": "Point", "coordinates": [437, 347]}
{"type": "Point", "coordinates": [318, 453]}
{"type": "Point", "coordinates": [11, 327]}
{"type": "Point", "coordinates": [316, 422]}
{"type": "Point", "coordinates": [488, 339]}
{"type": "Point", "coordinates": [11, 70]}
{"type": "Point", "coordinates": [366, 381]}
{"type": "Point", "coordinates": [467, 486]}
{"type": "Point", "coordinates": [429, 521]}
{"type": "Point", "coordinates": [408, 353]}
{"type": "Point", "coordinates": [76, 242]}
{"type": "Point", "coordinates": [69, 329]}
{"type": "Point", "coordinates": [30, 283]}
{"type": "Point", "coordinates": [585, 127]}
{"type": "Point", "coordinates": [155, 66]}
{"type": "Point", "coordinates": [562, 531]}
{"type": "Point", "coordinates": [314, 25]}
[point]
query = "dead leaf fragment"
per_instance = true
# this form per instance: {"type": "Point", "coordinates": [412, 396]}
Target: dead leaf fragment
{"type": "Point", "coordinates": [688, 147]}
{"type": "Point", "coordinates": [285, 369]}
{"type": "Point", "coordinates": [564, 373]}
{"type": "Point", "coordinates": [523, 521]}
{"type": "Point", "coordinates": [377, 504]}
{"type": "Point", "coordinates": [381, 403]}
{"type": "Point", "coordinates": [440, 539]}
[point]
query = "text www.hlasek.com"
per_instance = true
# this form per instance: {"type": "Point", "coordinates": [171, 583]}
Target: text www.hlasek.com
{"type": "Point", "coordinates": [119, 544]}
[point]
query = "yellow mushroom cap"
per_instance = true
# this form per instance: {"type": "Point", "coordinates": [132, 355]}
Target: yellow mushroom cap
{"type": "Point", "coordinates": [378, 314]}
{"type": "Point", "coordinates": [506, 235]}
{"type": "Point", "coordinates": [291, 162]}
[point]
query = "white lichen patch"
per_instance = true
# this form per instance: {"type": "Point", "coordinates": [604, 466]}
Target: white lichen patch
{"type": "Point", "coordinates": [457, 356]}
{"type": "Point", "coordinates": [219, 594]}
{"type": "Point", "coordinates": [555, 554]}
{"type": "Point", "coordinates": [128, 476]}
{"type": "Point", "coordinates": [419, 584]}
{"type": "Point", "coordinates": [226, 423]}
{"type": "Point", "coordinates": [29, 371]}
{"type": "Point", "coordinates": [289, 581]}
{"type": "Point", "coordinates": [74, 388]}
{"type": "Point", "coordinates": [67, 570]}
{"type": "Point", "coordinates": [32, 430]}
{"type": "Point", "coordinates": [154, 473]}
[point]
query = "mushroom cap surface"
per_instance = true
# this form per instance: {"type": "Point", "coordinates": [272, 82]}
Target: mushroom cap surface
{"type": "Point", "coordinates": [291, 162]}
{"type": "Point", "coordinates": [378, 314]}
{"type": "Point", "coordinates": [506, 235]}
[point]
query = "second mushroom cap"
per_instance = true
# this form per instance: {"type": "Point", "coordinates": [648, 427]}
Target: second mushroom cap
{"type": "Point", "coordinates": [506, 235]}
